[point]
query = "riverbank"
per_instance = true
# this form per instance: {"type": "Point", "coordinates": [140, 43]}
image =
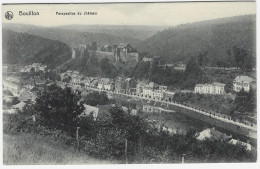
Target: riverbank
{"type": "Point", "coordinates": [236, 131]}
{"type": "Point", "coordinates": [224, 123]}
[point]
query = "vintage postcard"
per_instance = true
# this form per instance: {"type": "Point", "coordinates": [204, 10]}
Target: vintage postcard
{"type": "Point", "coordinates": [129, 83]}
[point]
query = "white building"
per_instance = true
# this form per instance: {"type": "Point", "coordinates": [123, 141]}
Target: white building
{"type": "Point", "coordinates": [100, 86]}
{"type": "Point", "coordinates": [151, 109]}
{"type": "Point", "coordinates": [37, 67]}
{"type": "Point", "coordinates": [105, 84]}
{"type": "Point", "coordinates": [139, 87]}
{"type": "Point", "coordinates": [158, 94]}
{"type": "Point", "coordinates": [76, 79]}
{"type": "Point", "coordinates": [90, 110]}
{"type": "Point", "coordinates": [109, 86]}
{"type": "Point", "coordinates": [237, 142]}
{"type": "Point", "coordinates": [214, 88]}
{"type": "Point", "coordinates": [153, 90]}
{"type": "Point", "coordinates": [242, 82]}
{"type": "Point", "coordinates": [12, 84]}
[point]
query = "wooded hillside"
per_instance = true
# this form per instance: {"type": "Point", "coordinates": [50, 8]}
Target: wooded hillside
{"type": "Point", "coordinates": [24, 48]}
{"type": "Point", "coordinates": [214, 38]}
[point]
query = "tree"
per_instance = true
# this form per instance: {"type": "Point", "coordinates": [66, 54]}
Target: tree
{"type": "Point", "coordinates": [15, 101]}
{"type": "Point", "coordinates": [245, 101]}
{"type": "Point", "coordinates": [193, 74]}
{"type": "Point", "coordinates": [116, 129]}
{"type": "Point", "coordinates": [107, 68]}
{"type": "Point", "coordinates": [59, 105]}
{"type": "Point", "coordinates": [32, 71]}
{"type": "Point", "coordinates": [192, 68]}
{"type": "Point", "coordinates": [243, 58]}
{"type": "Point", "coordinates": [202, 59]}
{"type": "Point", "coordinates": [94, 46]}
{"type": "Point", "coordinates": [95, 98]}
{"type": "Point", "coordinates": [103, 49]}
{"type": "Point", "coordinates": [67, 79]}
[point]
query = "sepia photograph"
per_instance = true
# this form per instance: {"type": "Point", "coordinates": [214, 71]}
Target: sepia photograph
{"type": "Point", "coordinates": [129, 83]}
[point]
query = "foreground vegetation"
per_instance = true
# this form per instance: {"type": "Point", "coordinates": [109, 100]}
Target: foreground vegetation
{"type": "Point", "coordinates": [25, 148]}
{"type": "Point", "coordinates": [119, 136]}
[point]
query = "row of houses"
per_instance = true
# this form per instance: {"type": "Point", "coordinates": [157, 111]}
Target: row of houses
{"type": "Point", "coordinates": [125, 85]}
{"type": "Point", "coordinates": [213, 133]}
{"type": "Point", "coordinates": [12, 84]}
{"type": "Point", "coordinates": [214, 88]}
{"type": "Point", "coordinates": [16, 84]}
{"type": "Point", "coordinates": [153, 90]}
{"type": "Point", "coordinates": [106, 84]}
{"type": "Point", "coordinates": [217, 88]}
{"type": "Point", "coordinates": [120, 85]}
{"type": "Point", "coordinates": [11, 68]}
{"type": "Point", "coordinates": [36, 66]}
{"type": "Point", "coordinates": [244, 82]}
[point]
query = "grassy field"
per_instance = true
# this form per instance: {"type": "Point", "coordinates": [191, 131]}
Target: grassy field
{"type": "Point", "coordinates": [22, 148]}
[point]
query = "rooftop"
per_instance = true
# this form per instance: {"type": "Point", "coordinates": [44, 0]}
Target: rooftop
{"type": "Point", "coordinates": [218, 84]}
{"type": "Point", "coordinates": [243, 79]}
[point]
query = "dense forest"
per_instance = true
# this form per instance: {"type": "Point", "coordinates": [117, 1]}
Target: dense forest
{"type": "Point", "coordinates": [213, 39]}
{"type": "Point", "coordinates": [24, 48]}
{"type": "Point", "coordinates": [74, 37]}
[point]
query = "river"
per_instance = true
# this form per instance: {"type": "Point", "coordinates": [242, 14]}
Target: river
{"type": "Point", "coordinates": [178, 121]}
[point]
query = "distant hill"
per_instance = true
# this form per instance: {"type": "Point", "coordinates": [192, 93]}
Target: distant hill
{"type": "Point", "coordinates": [213, 37]}
{"type": "Point", "coordinates": [74, 35]}
{"type": "Point", "coordinates": [24, 48]}
{"type": "Point", "coordinates": [140, 32]}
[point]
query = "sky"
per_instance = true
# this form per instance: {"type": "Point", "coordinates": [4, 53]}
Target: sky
{"type": "Point", "coordinates": [154, 14]}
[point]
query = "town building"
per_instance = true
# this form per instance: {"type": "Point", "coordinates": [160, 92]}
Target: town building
{"type": "Point", "coordinates": [109, 86]}
{"type": "Point", "coordinates": [130, 84]}
{"type": "Point", "coordinates": [152, 60]}
{"type": "Point", "coordinates": [132, 111]}
{"type": "Point", "coordinates": [212, 133]}
{"type": "Point", "coordinates": [168, 95]}
{"type": "Point", "coordinates": [90, 110]}
{"type": "Point", "coordinates": [26, 95]}
{"type": "Point", "coordinates": [106, 84]}
{"type": "Point", "coordinates": [125, 52]}
{"type": "Point", "coordinates": [108, 48]}
{"type": "Point", "coordinates": [162, 87]}
{"type": "Point", "coordinates": [76, 79]}
{"type": "Point", "coordinates": [40, 83]}
{"type": "Point", "coordinates": [158, 94]}
{"type": "Point", "coordinates": [237, 142]}
{"type": "Point", "coordinates": [151, 109]}
{"type": "Point", "coordinates": [94, 83]}
{"type": "Point", "coordinates": [12, 83]}
{"type": "Point", "coordinates": [120, 85]}
{"type": "Point", "coordinates": [74, 76]}
{"type": "Point", "coordinates": [180, 66]}
{"type": "Point", "coordinates": [75, 53]}
{"type": "Point", "coordinates": [146, 59]}
{"type": "Point", "coordinates": [122, 50]}
{"type": "Point", "coordinates": [152, 90]}
{"type": "Point", "coordinates": [35, 66]}
{"type": "Point", "coordinates": [28, 83]}
{"type": "Point", "coordinates": [214, 88]}
{"type": "Point", "coordinates": [87, 81]}
{"type": "Point", "coordinates": [244, 82]}
{"type": "Point", "coordinates": [139, 87]}
{"type": "Point", "coordinates": [19, 106]}
{"type": "Point", "coordinates": [5, 68]}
